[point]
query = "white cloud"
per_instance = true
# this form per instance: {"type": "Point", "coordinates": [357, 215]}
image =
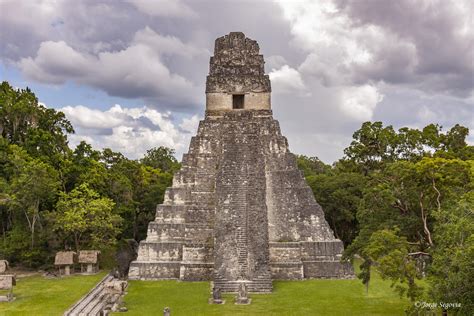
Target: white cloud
{"type": "Point", "coordinates": [135, 72]}
{"type": "Point", "coordinates": [85, 117]}
{"type": "Point", "coordinates": [275, 62]}
{"type": "Point", "coordinates": [360, 102]}
{"type": "Point", "coordinates": [286, 80]}
{"type": "Point", "coordinates": [190, 125]}
{"type": "Point", "coordinates": [131, 131]}
{"type": "Point", "coordinates": [169, 45]}
{"type": "Point", "coordinates": [345, 54]}
{"type": "Point", "coordinates": [162, 8]}
{"type": "Point", "coordinates": [55, 62]}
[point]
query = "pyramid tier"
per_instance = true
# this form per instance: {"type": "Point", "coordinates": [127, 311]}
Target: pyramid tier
{"type": "Point", "coordinates": [239, 210]}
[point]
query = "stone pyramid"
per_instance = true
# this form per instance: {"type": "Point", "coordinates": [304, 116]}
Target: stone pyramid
{"type": "Point", "coordinates": [239, 210]}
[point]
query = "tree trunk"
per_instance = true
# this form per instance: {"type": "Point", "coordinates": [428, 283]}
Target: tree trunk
{"type": "Point", "coordinates": [424, 218]}
{"type": "Point", "coordinates": [335, 230]}
{"type": "Point", "coordinates": [76, 241]}
{"type": "Point", "coordinates": [135, 224]}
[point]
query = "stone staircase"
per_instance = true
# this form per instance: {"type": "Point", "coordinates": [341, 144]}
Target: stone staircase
{"type": "Point", "coordinates": [93, 303]}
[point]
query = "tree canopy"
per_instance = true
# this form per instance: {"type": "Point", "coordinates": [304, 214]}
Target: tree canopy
{"type": "Point", "coordinates": [402, 202]}
{"type": "Point", "coordinates": [54, 197]}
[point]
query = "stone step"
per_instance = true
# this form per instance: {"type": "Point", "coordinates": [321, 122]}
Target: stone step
{"type": "Point", "coordinates": [165, 231]}
{"type": "Point", "coordinates": [154, 270]}
{"type": "Point", "coordinates": [160, 251]}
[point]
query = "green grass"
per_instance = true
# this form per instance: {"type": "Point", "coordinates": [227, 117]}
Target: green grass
{"type": "Point", "coordinates": [36, 295]}
{"type": "Point", "coordinates": [309, 297]}
{"type": "Point", "coordinates": [39, 296]}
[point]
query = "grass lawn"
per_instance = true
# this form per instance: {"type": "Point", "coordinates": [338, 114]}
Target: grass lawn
{"type": "Point", "coordinates": [309, 297]}
{"type": "Point", "coordinates": [36, 295]}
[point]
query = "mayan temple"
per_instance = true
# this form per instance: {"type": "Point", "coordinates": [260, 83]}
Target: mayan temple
{"type": "Point", "coordinates": [239, 210]}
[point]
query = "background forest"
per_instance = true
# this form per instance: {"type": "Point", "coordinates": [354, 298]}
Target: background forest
{"type": "Point", "coordinates": [401, 201]}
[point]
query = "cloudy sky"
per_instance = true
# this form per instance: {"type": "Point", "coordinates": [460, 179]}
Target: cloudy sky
{"type": "Point", "coordinates": [130, 74]}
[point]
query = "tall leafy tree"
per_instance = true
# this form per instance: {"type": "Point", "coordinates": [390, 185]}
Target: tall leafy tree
{"type": "Point", "coordinates": [25, 122]}
{"type": "Point", "coordinates": [86, 218]}
{"type": "Point", "coordinates": [452, 272]}
{"type": "Point", "coordinates": [32, 191]}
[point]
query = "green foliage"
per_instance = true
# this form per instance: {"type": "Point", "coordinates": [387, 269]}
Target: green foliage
{"type": "Point", "coordinates": [136, 188]}
{"type": "Point", "coordinates": [339, 193]}
{"type": "Point", "coordinates": [452, 271]}
{"type": "Point", "coordinates": [389, 253]}
{"type": "Point", "coordinates": [85, 217]}
{"type": "Point", "coordinates": [161, 158]}
{"type": "Point", "coordinates": [23, 121]}
{"type": "Point", "coordinates": [31, 191]}
{"type": "Point", "coordinates": [311, 166]}
{"type": "Point", "coordinates": [410, 217]}
{"type": "Point", "coordinates": [374, 146]}
{"type": "Point", "coordinates": [53, 197]}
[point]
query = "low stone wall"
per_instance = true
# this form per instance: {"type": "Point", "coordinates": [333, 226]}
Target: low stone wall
{"type": "Point", "coordinates": [152, 270]}
{"type": "Point", "coordinates": [327, 270]}
{"type": "Point", "coordinates": [308, 259]}
{"type": "Point", "coordinates": [287, 271]}
{"type": "Point", "coordinates": [196, 271]}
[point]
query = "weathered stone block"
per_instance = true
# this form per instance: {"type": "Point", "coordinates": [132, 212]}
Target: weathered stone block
{"type": "Point", "coordinates": [196, 271]}
{"type": "Point", "coordinates": [153, 270]}
{"type": "Point", "coordinates": [327, 269]}
{"type": "Point", "coordinates": [287, 270]}
{"type": "Point", "coordinates": [165, 231]}
{"type": "Point", "coordinates": [160, 251]}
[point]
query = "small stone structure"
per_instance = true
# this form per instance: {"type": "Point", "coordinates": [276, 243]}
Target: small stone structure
{"type": "Point", "coordinates": [89, 261]}
{"type": "Point", "coordinates": [216, 296]}
{"type": "Point", "coordinates": [7, 281]}
{"type": "Point", "coordinates": [114, 291]}
{"type": "Point", "coordinates": [239, 210]}
{"type": "Point", "coordinates": [242, 295]}
{"type": "Point", "coordinates": [64, 261]}
{"type": "Point", "coordinates": [3, 266]}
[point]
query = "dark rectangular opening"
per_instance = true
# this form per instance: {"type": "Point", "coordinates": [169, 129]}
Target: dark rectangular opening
{"type": "Point", "coordinates": [237, 101]}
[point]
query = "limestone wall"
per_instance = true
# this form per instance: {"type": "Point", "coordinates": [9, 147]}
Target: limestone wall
{"type": "Point", "coordinates": [252, 101]}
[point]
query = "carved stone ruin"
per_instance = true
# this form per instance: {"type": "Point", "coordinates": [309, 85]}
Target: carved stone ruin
{"type": "Point", "coordinates": [242, 295]}
{"type": "Point", "coordinates": [239, 210]}
{"type": "Point", "coordinates": [114, 291]}
{"type": "Point", "coordinates": [216, 296]}
{"type": "Point", "coordinates": [3, 266]}
{"type": "Point", "coordinates": [7, 281]}
{"type": "Point", "coordinates": [89, 261]}
{"type": "Point", "coordinates": [64, 261]}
